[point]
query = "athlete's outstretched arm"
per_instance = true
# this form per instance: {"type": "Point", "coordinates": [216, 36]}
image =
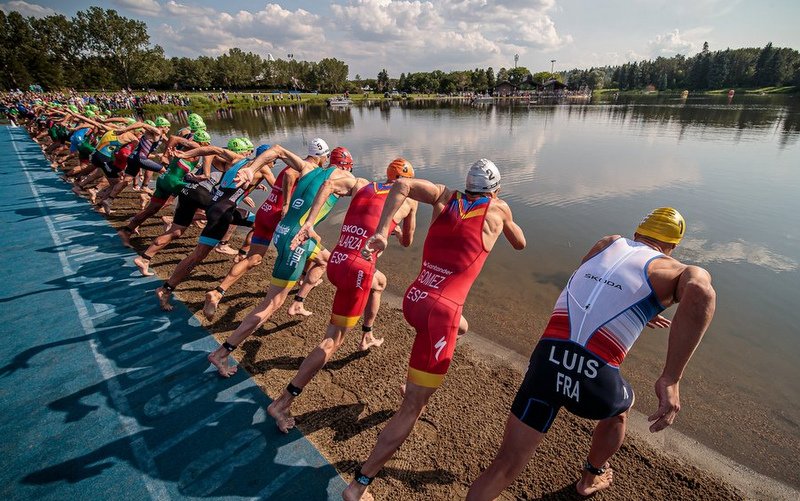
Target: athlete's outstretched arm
{"type": "Point", "coordinates": [409, 224]}
{"type": "Point", "coordinates": [294, 161]}
{"type": "Point", "coordinates": [420, 190]}
{"type": "Point", "coordinates": [115, 119]}
{"type": "Point", "coordinates": [247, 174]}
{"type": "Point", "coordinates": [402, 189]}
{"type": "Point", "coordinates": [178, 140]}
{"type": "Point", "coordinates": [697, 302]}
{"type": "Point", "coordinates": [512, 231]}
{"type": "Point", "coordinates": [266, 173]}
{"type": "Point", "coordinates": [339, 183]}
{"type": "Point", "coordinates": [202, 151]}
{"type": "Point", "coordinates": [289, 180]}
{"type": "Point", "coordinates": [90, 121]}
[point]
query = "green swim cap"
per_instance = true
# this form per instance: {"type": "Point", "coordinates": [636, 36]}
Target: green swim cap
{"type": "Point", "coordinates": [249, 143]}
{"type": "Point", "coordinates": [194, 117]}
{"type": "Point", "coordinates": [162, 122]}
{"type": "Point", "coordinates": [202, 136]}
{"type": "Point", "coordinates": [130, 120]}
{"type": "Point", "coordinates": [237, 145]}
{"type": "Point", "coordinates": [89, 114]}
{"type": "Point", "coordinates": [150, 123]}
{"type": "Point", "coordinates": [73, 108]}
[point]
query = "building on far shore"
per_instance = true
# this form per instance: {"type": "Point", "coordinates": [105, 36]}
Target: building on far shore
{"type": "Point", "coordinates": [553, 87]}
{"type": "Point", "coordinates": [505, 89]}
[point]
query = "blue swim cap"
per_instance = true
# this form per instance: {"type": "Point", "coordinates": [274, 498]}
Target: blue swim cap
{"type": "Point", "coordinates": [261, 149]}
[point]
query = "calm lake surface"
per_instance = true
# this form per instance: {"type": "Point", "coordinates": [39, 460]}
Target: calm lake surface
{"type": "Point", "coordinates": [574, 173]}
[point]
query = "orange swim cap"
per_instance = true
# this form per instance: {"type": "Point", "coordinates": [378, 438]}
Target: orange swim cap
{"type": "Point", "coordinates": [400, 167]}
{"type": "Point", "coordinates": [665, 224]}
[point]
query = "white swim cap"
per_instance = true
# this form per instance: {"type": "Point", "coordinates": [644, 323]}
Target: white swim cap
{"type": "Point", "coordinates": [483, 176]}
{"type": "Point", "coordinates": [317, 148]}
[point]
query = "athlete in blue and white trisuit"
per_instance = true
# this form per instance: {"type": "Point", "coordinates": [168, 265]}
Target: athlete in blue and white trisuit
{"type": "Point", "coordinates": [621, 286]}
{"type": "Point", "coordinates": [221, 213]}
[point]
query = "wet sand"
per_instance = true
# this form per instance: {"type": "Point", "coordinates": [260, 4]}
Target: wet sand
{"type": "Point", "coordinates": [345, 407]}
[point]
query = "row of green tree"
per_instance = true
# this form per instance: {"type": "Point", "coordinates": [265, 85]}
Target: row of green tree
{"type": "Point", "coordinates": [748, 67]}
{"type": "Point", "coordinates": [98, 48]}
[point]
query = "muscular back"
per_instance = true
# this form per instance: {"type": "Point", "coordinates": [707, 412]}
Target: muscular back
{"type": "Point", "coordinates": [665, 273]}
{"type": "Point", "coordinates": [496, 222]}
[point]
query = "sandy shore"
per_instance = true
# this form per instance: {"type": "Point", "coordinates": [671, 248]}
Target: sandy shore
{"type": "Point", "coordinates": [345, 407]}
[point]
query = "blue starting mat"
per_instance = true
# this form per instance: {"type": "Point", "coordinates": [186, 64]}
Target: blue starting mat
{"type": "Point", "coordinates": [103, 395]}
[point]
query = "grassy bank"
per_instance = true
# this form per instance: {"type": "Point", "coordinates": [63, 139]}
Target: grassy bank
{"type": "Point", "coordinates": [201, 101]}
{"type": "Point", "coordinates": [786, 89]}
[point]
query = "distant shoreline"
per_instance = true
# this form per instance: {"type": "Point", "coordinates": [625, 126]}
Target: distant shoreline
{"type": "Point", "coordinates": [244, 100]}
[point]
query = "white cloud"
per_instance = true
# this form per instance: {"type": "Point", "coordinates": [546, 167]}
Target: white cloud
{"type": "Point", "coordinates": [142, 7]}
{"type": "Point", "coordinates": [670, 43]}
{"type": "Point", "coordinates": [400, 35]}
{"type": "Point", "coordinates": [26, 9]}
{"type": "Point", "coordinates": [211, 32]}
{"type": "Point", "coordinates": [445, 34]}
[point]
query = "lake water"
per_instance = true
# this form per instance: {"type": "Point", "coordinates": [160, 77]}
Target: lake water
{"type": "Point", "coordinates": [574, 173]}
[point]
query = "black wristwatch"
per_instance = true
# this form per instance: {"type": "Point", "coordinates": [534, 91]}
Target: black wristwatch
{"type": "Point", "coordinates": [363, 479]}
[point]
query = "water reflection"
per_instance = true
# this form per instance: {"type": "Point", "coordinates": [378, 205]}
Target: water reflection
{"type": "Point", "coordinates": [702, 252]}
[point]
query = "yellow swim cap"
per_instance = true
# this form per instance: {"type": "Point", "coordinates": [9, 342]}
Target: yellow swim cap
{"type": "Point", "coordinates": [665, 224]}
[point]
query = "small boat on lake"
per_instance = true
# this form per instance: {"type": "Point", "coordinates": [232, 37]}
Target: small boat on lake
{"type": "Point", "coordinates": [338, 101]}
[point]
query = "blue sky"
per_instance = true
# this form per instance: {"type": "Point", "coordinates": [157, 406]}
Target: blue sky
{"type": "Point", "coordinates": [416, 35]}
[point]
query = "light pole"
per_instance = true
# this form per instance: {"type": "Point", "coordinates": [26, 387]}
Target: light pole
{"type": "Point", "coordinates": [290, 57]}
{"type": "Point", "coordinates": [552, 64]}
{"type": "Point", "coordinates": [516, 58]}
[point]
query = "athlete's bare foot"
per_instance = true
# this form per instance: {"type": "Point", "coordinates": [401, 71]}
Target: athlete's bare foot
{"type": "Point", "coordinates": [220, 361]}
{"type": "Point", "coordinates": [143, 200]}
{"type": "Point", "coordinates": [105, 207]}
{"type": "Point", "coordinates": [166, 220]}
{"type": "Point", "coordinates": [212, 301]}
{"type": "Point", "coordinates": [163, 296]}
{"type": "Point", "coordinates": [356, 492]}
{"type": "Point", "coordinates": [143, 265]}
{"type": "Point", "coordinates": [368, 341]}
{"type": "Point", "coordinates": [239, 257]}
{"type": "Point", "coordinates": [282, 416]}
{"type": "Point", "coordinates": [225, 249]}
{"type": "Point", "coordinates": [147, 190]}
{"type": "Point", "coordinates": [297, 308]}
{"type": "Point", "coordinates": [92, 195]}
{"type": "Point", "coordinates": [125, 236]}
{"type": "Point", "coordinates": [590, 484]}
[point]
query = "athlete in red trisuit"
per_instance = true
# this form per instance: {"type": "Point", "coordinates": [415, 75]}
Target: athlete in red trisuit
{"type": "Point", "coordinates": [358, 283]}
{"type": "Point", "coordinates": [464, 229]}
